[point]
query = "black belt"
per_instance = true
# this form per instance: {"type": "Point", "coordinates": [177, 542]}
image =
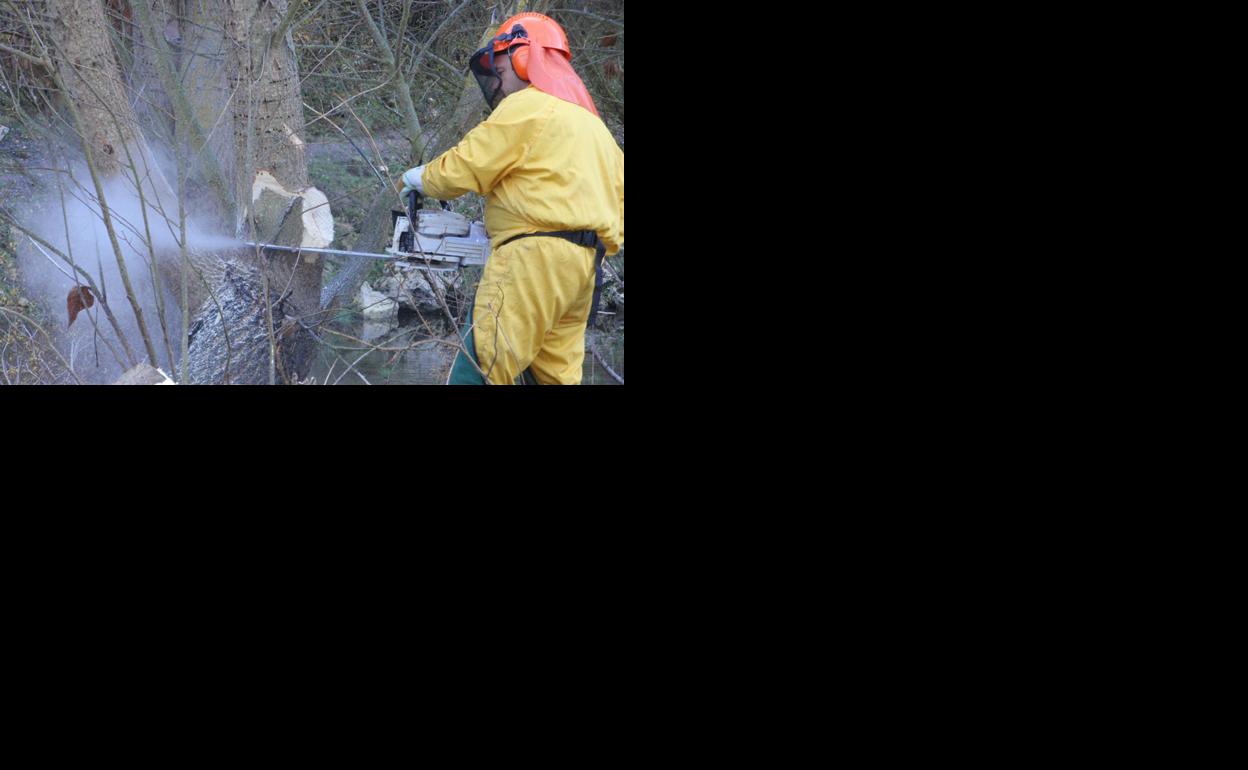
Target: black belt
{"type": "Point", "coordinates": [587, 238]}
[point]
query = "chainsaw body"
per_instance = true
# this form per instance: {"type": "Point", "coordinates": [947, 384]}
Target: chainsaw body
{"type": "Point", "coordinates": [440, 237]}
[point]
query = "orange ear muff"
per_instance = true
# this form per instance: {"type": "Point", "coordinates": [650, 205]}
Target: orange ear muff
{"type": "Point", "coordinates": [520, 61]}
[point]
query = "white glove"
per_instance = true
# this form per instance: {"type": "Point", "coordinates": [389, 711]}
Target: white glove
{"type": "Point", "coordinates": [412, 181]}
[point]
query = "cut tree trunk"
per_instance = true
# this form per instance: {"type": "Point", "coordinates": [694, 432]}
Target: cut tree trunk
{"type": "Point", "coordinates": [263, 298]}
{"type": "Point", "coordinates": [269, 136]}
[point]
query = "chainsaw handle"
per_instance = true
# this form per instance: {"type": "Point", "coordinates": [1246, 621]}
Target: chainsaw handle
{"type": "Point", "coordinates": [413, 205]}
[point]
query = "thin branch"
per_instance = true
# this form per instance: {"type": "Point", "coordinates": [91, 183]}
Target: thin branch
{"type": "Point", "coordinates": [48, 337]}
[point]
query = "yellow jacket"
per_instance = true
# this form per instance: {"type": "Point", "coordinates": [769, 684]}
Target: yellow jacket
{"type": "Point", "coordinates": [542, 164]}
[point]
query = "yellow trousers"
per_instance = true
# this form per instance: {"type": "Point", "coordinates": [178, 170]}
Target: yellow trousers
{"type": "Point", "coordinates": [530, 311]}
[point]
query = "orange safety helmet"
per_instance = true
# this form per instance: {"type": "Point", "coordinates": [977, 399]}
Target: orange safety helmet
{"type": "Point", "coordinates": [539, 29]}
{"type": "Point", "coordinates": [539, 55]}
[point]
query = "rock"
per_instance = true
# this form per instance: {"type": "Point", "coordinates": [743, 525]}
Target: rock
{"type": "Point", "coordinates": [372, 330]}
{"type": "Point", "coordinates": [410, 288]}
{"type": "Point", "coordinates": [144, 374]}
{"type": "Point", "coordinates": [376, 306]}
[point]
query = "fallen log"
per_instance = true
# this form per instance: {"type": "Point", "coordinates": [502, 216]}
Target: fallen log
{"type": "Point", "coordinates": [230, 341]}
{"type": "Point", "coordinates": [249, 329]}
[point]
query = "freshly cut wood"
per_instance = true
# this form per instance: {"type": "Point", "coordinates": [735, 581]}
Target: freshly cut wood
{"type": "Point", "coordinates": [275, 204]}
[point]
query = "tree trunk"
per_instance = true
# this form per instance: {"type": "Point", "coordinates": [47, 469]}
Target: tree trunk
{"type": "Point", "coordinates": [79, 38]}
{"type": "Point", "coordinates": [180, 86]}
{"type": "Point", "coordinates": [79, 34]}
{"type": "Point", "coordinates": [152, 104]}
{"type": "Point", "coordinates": [84, 55]}
{"type": "Point", "coordinates": [230, 340]}
{"type": "Point", "coordinates": [261, 303]}
{"type": "Point", "coordinates": [269, 136]}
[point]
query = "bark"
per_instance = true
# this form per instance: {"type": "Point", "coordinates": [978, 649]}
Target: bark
{"type": "Point", "coordinates": [113, 146]}
{"type": "Point", "coordinates": [169, 104]}
{"type": "Point", "coordinates": [152, 105]}
{"type": "Point", "coordinates": [229, 340]}
{"type": "Point", "coordinates": [269, 135]}
{"type": "Point", "coordinates": [81, 44]}
{"type": "Point", "coordinates": [260, 298]}
{"type": "Point", "coordinates": [81, 47]}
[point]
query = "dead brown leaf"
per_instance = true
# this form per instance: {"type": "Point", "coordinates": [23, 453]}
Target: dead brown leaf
{"type": "Point", "coordinates": [79, 299]}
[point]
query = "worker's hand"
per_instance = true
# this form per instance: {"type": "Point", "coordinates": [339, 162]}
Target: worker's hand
{"type": "Point", "coordinates": [411, 181]}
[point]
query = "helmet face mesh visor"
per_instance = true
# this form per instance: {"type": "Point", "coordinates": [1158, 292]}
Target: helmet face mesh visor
{"type": "Point", "coordinates": [482, 67]}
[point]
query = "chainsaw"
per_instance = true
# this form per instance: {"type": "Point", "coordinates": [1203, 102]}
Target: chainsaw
{"type": "Point", "coordinates": [441, 241]}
